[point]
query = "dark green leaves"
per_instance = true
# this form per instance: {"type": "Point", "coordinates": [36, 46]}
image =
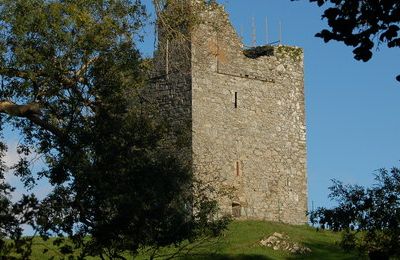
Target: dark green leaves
{"type": "Point", "coordinates": [370, 216]}
{"type": "Point", "coordinates": [362, 24]}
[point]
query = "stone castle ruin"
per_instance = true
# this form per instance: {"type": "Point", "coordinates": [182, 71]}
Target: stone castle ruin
{"type": "Point", "coordinates": [242, 111]}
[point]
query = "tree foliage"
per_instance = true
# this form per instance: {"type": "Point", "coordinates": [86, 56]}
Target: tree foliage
{"type": "Point", "coordinates": [363, 25]}
{"type": "Point", "coordinates": [71, 78]}
{"type": "Point", "coordinates": [370, 217]}
{"type": "Point", "coordinates": [13, 215]}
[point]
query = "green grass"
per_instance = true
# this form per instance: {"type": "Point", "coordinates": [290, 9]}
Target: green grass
{"type": "Point", "coordinates": [241, 241]}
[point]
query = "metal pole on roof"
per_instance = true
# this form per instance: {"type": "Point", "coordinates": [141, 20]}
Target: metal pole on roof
{"type": "Point", "coordinates": [280, 32]}
{"type": "Point", "coordinates": [266, 31]}
{"type": "Point", "coordinates": [167, 59]}
{"type": "Point", "coordinates": [254, 34]}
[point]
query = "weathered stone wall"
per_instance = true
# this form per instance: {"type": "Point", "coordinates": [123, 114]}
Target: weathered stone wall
{"type": "Point", "coordinates": [247, 122]}
{"type": "Point", "coordinates": [173, 80]}
{"type": "Point", "coordinates": [169, 92]}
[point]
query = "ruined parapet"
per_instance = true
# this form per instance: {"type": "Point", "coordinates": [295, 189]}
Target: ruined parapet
{"type": "Point", "coordinates": [246, 118]}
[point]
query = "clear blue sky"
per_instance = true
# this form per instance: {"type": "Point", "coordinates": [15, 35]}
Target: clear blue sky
{"type": "Point", "coordinates": [352, 108]}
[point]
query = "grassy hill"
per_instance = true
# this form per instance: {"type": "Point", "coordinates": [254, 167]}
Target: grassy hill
{"type": "Point", "coordinates": [241, 241]}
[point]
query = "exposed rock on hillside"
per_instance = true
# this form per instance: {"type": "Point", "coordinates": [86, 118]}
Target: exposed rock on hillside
{"type": "Point", "coordinates": [278, 241]}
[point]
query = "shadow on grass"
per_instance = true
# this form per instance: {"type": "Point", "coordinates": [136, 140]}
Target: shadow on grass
{"type": "Point", "coordinates": [321, 250]}
{"type": "Point", "coordinates": [228, 257]}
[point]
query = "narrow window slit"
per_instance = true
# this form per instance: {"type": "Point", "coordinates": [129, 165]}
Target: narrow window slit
{"type": "Point", "coordinates": [237, 168]}
{"type": "Point", "coordinates": [236, 101]}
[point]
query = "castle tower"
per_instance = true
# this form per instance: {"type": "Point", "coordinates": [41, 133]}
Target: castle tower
{"type": "Point", "coordinates": [243, 111]}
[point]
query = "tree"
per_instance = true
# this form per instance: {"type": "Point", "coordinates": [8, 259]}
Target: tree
{"type": "Point", "coordinates": [370, 217]}
{"type": "Point", "coordinates": [362, 25]}
{"type": "Point", "coordinates": [12, 216]}
{"type": "Point", "coordinates": [71, 83]}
